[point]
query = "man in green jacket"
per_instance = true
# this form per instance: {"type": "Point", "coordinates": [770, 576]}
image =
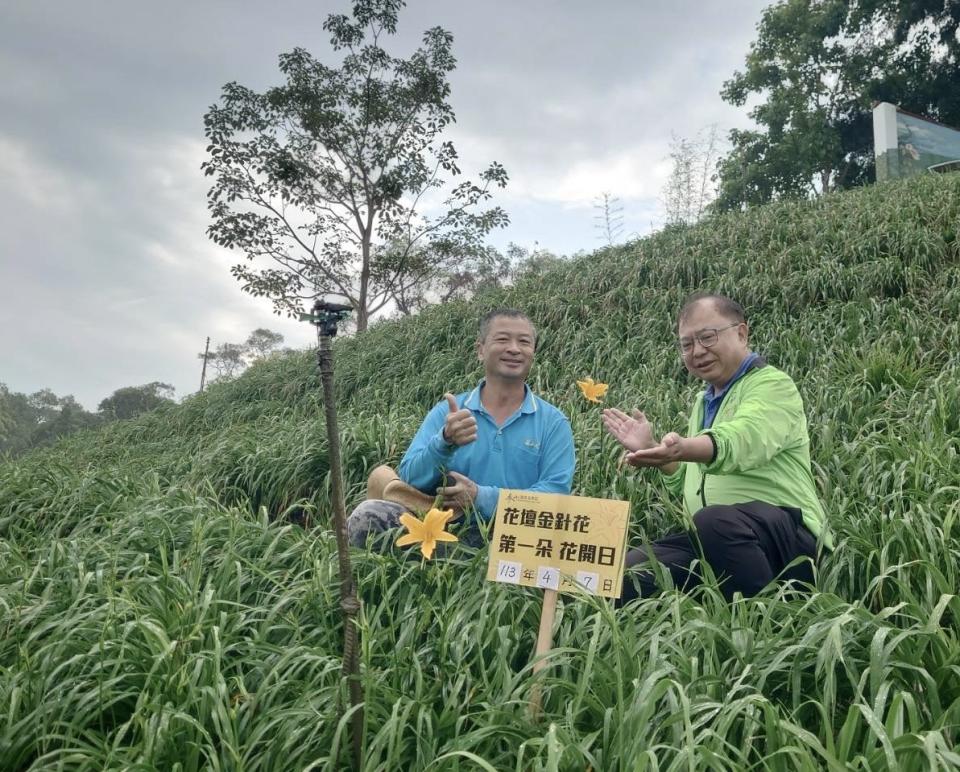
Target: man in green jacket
{"type": "Point", "coordinates": [743, 468]}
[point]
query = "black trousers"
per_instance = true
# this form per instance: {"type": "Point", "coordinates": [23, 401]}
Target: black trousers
{"type": "Point", "coordinates": [746, 545]}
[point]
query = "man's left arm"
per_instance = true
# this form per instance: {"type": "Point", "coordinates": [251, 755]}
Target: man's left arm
{"type": "Point", "coordinates": [557, 462]}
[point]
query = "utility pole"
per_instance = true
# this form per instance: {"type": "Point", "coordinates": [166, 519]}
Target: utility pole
{"type": "Point", "coordinates": [206, 355]}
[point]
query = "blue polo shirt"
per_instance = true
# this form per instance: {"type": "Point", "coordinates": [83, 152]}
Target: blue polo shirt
{"type": "Point", "coordinates": [712, 400]}
{"type": "Point", "coordinates": [532, 450]}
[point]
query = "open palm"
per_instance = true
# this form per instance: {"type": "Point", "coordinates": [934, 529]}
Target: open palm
{"type": "Point", "coordinates": [633, 432]}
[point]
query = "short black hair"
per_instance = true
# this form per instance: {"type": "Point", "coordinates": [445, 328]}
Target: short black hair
{"type": "Point", "coordinates": [512, 313]}
{"type": "Point", "coordinates": [726, 307]}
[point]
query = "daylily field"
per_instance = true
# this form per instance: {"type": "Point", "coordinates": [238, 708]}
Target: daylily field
{"type": "Point", "coordinates": [168, 586]}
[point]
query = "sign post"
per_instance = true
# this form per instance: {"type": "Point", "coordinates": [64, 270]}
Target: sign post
{"type": "Point", "coordinates": [325, 317]}
{"type": "Point", "coordinates": [559, 544]}
{"type": "Point", "coordinates": [544, 644]}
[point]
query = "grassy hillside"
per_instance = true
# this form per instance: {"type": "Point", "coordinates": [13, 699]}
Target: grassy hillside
{"type": "Point", "coordinates": [159, 608]}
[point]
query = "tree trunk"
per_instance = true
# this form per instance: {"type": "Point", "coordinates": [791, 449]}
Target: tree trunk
{"type": "Point", "coordinates": [362, 311]}
{"type": "Point", "coordinates": [825, 181]}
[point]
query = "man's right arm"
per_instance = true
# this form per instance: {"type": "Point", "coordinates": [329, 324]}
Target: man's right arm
{"type": "Point", "coordinates": [428, 452]}
{"type": "Point", "coordinates": [672, 478]}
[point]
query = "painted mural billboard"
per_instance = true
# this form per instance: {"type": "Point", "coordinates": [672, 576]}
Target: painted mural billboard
{"type": "Point", "coordinates": [906, 144]}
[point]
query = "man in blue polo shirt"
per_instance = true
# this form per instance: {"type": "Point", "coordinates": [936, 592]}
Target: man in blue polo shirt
{"type": "Point", "coordinates": [499, 435]}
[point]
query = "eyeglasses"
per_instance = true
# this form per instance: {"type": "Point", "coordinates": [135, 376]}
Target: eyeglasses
{"type": "Point", "coordinates": [706, 338]}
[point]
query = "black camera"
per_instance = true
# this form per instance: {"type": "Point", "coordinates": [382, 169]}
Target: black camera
{"type": "Point", "coordinates": [327, 315]}
{"type": "Point", "coordinates": [325, 307]}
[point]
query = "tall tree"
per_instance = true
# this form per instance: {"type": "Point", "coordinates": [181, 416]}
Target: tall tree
{"type": "Point", "coordinates": [31, 420]}
{"type": "Point", "coordinates": [532, 262]}
{"type": "Point", "coordinates": [691, 186]}
{"type": "Point", "coordinates": [438, 279]}
{"type": "Point", "coordinates": [818, 66]}
{"type": "Point", "coordinates": [18, 420]}
{"type": "Point", "coordinates": [70, 418]}
{"type": "Point", "coordinates": [228, 360]}
{"type": "Point", "coordinates": [924, 76]}
{"type": "Point", "coordinates": [315, 176]}
{"type": "Point", "coordinates": [131, 401]}
{"type": "Point", "coordinates": [261, 342]}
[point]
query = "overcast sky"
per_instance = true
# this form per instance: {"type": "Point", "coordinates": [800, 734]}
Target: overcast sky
{"type": "Point", "coordinates": [107, 278]}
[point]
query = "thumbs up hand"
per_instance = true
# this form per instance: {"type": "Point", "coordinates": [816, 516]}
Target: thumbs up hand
{"type": "Point", "coordinates": [460, 427]}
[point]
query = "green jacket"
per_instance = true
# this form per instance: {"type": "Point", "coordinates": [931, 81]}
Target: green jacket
{"type": "Point", "coordinates": [763, 451]}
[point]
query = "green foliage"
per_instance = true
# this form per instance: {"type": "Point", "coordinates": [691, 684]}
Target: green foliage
{"type": "Point", "coordinates": [131, 401]}
{"type": "Point", "coordinates": [157, 606]}
{"type": "Point", "coordinates": [438, 278]}
{"type": "Point", "coordinates": [228, 360]}
{"type": "Point", "coordinates": [690, 189]}
{"type": "Point", "coordinates": [818, 66]}
{"type": "Point", "coordinates": [324, 177]}
{"type": "Point", "coordinates": [262, 341]}
{"type": "Point", "coordinates": [34, 420]}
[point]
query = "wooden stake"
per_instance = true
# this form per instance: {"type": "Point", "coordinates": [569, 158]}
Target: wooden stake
{"type": "Point", "coordinates": [206, 356]}
{"type": "Point", "coordinates": [544, 644]}
{"type": "Point", "coordinates": [349, 603]}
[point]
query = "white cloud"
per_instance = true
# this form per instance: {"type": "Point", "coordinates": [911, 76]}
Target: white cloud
{"type": "Point", "coordinates": [40, 184]}
{"type": "Point", "coordinates": [633, 173]}
{"type": "Point", "coordinates": [103, 204]}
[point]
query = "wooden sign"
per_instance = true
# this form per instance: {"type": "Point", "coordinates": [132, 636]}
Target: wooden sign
{"type": "Point", "coordinates": [559, 542]}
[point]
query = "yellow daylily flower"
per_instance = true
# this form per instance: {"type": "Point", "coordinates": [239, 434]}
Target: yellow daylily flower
{"type": "Point", "coordinates": [427, 531]}
{"type": "Point", "coordinates": [592, 391]}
